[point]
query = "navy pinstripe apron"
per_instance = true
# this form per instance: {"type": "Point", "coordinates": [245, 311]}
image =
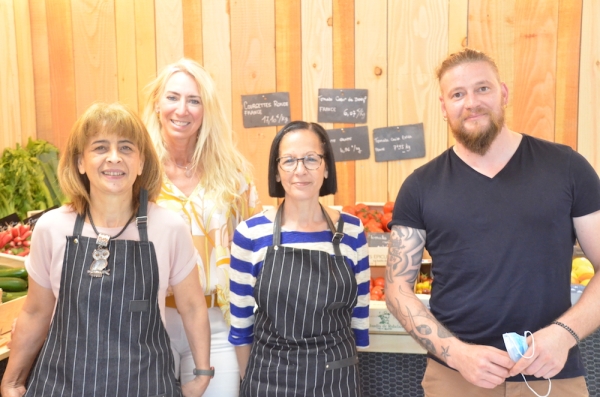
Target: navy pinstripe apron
{"type": "Point", "coordinates": [107, 337]}
{"type": "Point", "coordinates": [303, 341]}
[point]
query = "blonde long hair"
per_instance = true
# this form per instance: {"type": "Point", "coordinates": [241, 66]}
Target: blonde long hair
{"type": "Point", "coordinates": [215, 149]}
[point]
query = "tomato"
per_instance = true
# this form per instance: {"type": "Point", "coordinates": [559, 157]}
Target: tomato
{"type": "Point", "coordinates": [375, 297]}
{"type": "Point", "coordinates": [388, 207]}
{"type": "Point", "coordinates": [360, 207]}
{"type": "Point", "coordinates": [377, 289]}
{"type": "Point", "coordinates": [380, 281]}
{"type": "Point", "coordinates": [372, 284]}
{"type": "Point", "coordinates": [349, 209]}
{"type": "Point", "coordinates": [363, 216]}
{"type": "Point", "coordinates": [385, 219]}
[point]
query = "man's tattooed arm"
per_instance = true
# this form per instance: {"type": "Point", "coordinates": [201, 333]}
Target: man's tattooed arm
{"type": "Point", "coordinates": [403, 265]}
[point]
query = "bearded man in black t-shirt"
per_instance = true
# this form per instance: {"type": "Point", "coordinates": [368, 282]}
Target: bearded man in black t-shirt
{"type": "Point", "coordinates": [499, 213]}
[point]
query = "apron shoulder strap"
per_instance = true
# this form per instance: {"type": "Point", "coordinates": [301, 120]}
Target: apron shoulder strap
{"type": "Point", "coordinates": [277, 225]}
{"type": "Point", "coordinates": [142, 216]}
{"type": "Point", "coordinates": [337, 235]}
{"type": "Point", "coordinates": [78, 228]}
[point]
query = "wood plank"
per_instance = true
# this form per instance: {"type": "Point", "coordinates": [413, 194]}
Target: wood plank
{"type": "Point", "coordinates": [417, 42]}
{"type": "Point", "coordinates": [41, 70]}
{"type": "Point", "coordinates": [145, 44]}
{"type": "Point", "coordinates": [372, 74]}
{"type": "Point", "coordinates": [10, 113]}
{"type": "Point", "coordinates": [25, 65]}
{"type": "Point", "coordinates": [94, 45]}
{"type": "Point", "coordinates": [567, 71]}
{"type": "Point", "coordinates": [343, 78]}
{"type": "Point", "coordinates": [288, 53]}
{"type": "Point", "coordinates": [588, 137]}
{"type": "Point", "coordinates": [169, 32]}
{"type": "Point", "coordinates": [192, 29]}
{"type": "Point", "coordinates": [317, 59]}
{"type": "Point", "coordinates": [253, 72]}
{"type": "Point", "coordinates": [458, 21]}
{"type": "Point", "coordinates": [62, 70]}
{"type": "Point", "coordinates": [535, 67]}
{"type": "Point", "coordinates": [216, 25]}
{"type": "Point", "coordinates": [492, 30]}
{"type": "Point", "coordinates": [126, 53]}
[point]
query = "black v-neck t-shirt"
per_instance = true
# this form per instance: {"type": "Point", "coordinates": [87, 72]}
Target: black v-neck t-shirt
{"type": "Point", "coordinates": [502, 246]}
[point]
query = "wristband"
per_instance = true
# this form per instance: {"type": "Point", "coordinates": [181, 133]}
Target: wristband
{"type": "Point", "coordinates": [204, 372]}
{"type": "Point", "coordinates": [565, 326]}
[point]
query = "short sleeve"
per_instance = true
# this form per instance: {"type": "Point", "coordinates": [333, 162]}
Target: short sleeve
{"type": "Point", "coordinates": [407, 209]}
{"type": "Point", "coordinates": [586, 186]}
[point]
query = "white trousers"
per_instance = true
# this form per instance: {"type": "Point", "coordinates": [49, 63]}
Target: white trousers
{"type": "Point", "coordinates": [222, 354]}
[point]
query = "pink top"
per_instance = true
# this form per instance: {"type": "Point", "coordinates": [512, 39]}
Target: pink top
{"type": "Point", "coordinates": [173, 244]}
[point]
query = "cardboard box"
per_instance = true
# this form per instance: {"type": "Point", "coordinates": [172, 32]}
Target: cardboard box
{"type": "Point", "coordinates": [382, 321]}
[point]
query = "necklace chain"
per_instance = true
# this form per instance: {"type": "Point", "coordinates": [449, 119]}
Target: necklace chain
{"type": "Point", "coordinates": [187, 168]}
{"type": "Point", "coordinates": [89, 214]}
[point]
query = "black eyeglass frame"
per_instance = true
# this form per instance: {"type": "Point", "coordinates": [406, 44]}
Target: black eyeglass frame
{"type": "Point", "coordinates": [298, 159]}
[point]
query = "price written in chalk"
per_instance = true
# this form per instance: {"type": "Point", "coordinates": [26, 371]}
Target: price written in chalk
{"type": "Point", "coordinates": [350, 143]}
{"type": "Point", "coordinates": [342, 106]}
{"type": "Point", "coordinates": [276, 119]}
{"type": "Point", "coordinates": [399, 142]}
{"type": "Point", "coordinates": [264, 110]}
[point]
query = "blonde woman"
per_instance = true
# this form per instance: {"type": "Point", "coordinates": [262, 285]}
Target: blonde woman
{"type": "Point", "coordinates": [208, 183]}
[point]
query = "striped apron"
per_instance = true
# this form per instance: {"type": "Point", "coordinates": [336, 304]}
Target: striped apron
{"type": "Point", "coordinates": [303, 342]}
{"type": "Point", "coordinates": [107, 337]}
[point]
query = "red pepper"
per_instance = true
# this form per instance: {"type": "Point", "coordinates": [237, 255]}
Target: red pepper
{"type": "Point", "coordinates": [14, 231]}
{"type": "Point", "coordinates": [5, 237]}
{"type": "Point", "coordinates": [26, 234]}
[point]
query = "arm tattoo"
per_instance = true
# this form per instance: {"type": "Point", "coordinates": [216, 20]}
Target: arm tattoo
{"type": "Point", "coordinates": [404, 263]}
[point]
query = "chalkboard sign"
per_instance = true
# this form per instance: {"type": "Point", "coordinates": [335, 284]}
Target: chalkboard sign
{"type": "Point", "coordinates": [342, 106]}
{"type": "Point", "coordinates": [265, 110]}
{"type": "Point", "coordinates": [399, 142]}
{"type": "Point", "coordinates": [350, 143]}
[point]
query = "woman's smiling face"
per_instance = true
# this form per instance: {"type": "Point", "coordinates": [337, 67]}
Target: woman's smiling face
{"type": "Point", "coordinates": [180, 108]}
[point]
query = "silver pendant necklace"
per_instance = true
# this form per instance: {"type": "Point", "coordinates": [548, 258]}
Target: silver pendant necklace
{"type": "Point", "coordinates": [101, 252]}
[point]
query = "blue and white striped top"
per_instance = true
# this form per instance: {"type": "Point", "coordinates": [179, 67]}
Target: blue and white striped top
{"type": "Point", "coordinates": [250, 242]}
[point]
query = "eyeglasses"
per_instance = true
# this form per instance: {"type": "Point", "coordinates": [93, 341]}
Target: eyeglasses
{"type": "Point", "coordinates": [311, 162]}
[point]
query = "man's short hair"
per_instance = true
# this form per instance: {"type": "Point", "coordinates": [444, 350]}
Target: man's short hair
{"type": "Point", "coordinates": [467, 55]}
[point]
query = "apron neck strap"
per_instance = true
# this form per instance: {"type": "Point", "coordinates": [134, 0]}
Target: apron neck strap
{"type": "Point", "coordinates": [337, 235]}
{"type": "Point", "coordinates": [141, 220]}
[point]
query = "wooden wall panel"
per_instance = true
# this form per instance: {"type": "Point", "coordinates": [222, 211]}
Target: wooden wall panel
{"type": "Point", "coordinates": [62, 70]}
{"type": "Point", "coordinates": [372, 74]}
{"type": "Point", "coordinates": [169, 32]}
{"type": "Point", "coordinates": [41, 69]}
{"type": "Point", "coordinates": [10, 111]}
{"type": "Point", "coordinates": [536, 30]}
{"type": "Point", "coordinates": [343, 77]}
{"type": "Point", "coordinates": [25, 69]}
{"type": "Point", "coordinates": [145, 53]}
{"type": "Point", "coordinates": [567, 65]}
{"type": "Point", "coordinates": [126, 53]}
{"type": "Point", "coordinates": [216, 26]}
{"type": "Point", "coordinates": [288, 53]}
{"type": "Point", "coordinates": [417, 42]}
{"type": "Point", "coordinates": [588, 138]}
{"type": "Point", "coordinates": [192, 29]}
{"type": "Point", "coordinates": [253, 72]}
{"type": "Point", "coordinates": [95, 57]}
{"type": "Point", "coordinates": [317, 59]}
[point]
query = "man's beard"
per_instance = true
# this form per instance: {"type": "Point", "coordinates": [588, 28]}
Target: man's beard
{"type": "Point", "coordinates": [479, 141]}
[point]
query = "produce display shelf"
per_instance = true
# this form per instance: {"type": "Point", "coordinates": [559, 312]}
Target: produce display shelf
{"type": "Point", "coordinates": [10, 310]}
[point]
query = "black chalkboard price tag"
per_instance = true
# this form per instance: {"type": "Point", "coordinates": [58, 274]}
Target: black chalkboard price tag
{"type": "Point", "coordinates": [399, 142]}
{"type": "Point", "coordinates": [265, 110]}
{"type": "Point", "coordinates": [342, 106]}
{"type": "Point", "coordinates": [350, 143]}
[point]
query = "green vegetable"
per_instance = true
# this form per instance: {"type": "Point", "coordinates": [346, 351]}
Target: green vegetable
{"type": "Point", "coordinates": [12, 284]}
{"type": "Point", "coordinates": [19, 272]}
{"type": "Point", "coordinates": [8, 296]}
{"type": "Point", "coordinates": [28, 179]}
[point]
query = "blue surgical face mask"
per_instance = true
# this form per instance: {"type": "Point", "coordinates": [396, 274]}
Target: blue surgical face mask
{"type": "Point", "coordinates": [516, 346]}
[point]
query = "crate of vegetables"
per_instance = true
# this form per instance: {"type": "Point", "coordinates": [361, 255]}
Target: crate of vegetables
{"type": "Point", "coordinates": [15, 240]}
{"type": "Point", "coordinates": [375, 218]}
{"type": "Point", "coordinates": [13, 283]}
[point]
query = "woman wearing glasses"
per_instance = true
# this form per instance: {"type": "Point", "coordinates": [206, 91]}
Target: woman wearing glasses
{"type": "Point", "coordinates": [306, 269]}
